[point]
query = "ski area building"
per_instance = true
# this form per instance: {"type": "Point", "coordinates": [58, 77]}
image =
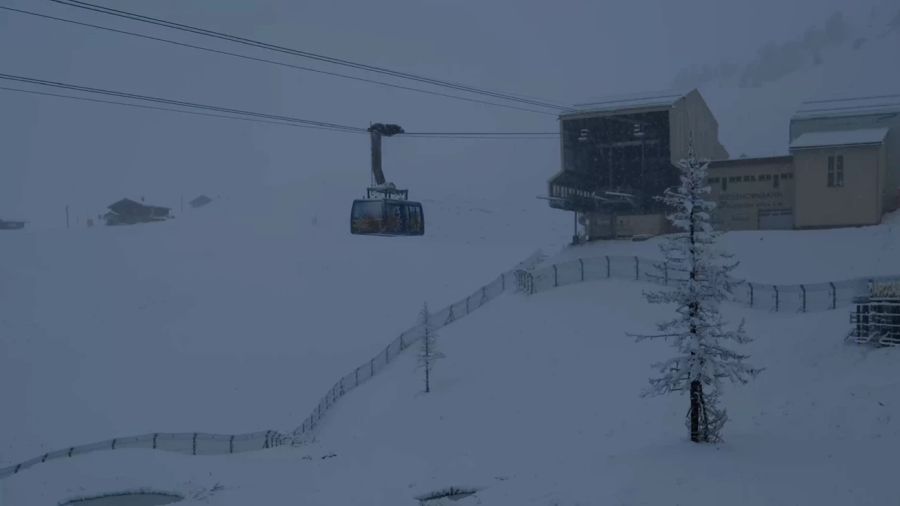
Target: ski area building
{"type": "Point", "coordinates": [618, 154]}
{"type": "Point", "coordinates": [130, 212]}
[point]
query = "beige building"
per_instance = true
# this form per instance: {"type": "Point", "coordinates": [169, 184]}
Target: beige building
{"type": "Point", "coordinates": [753, 193]}
{"type": "Point", "coordinates": [619, 153]}
{"type": "Point", "coordinates": [847, 157]}
{"type": "Point", "coordinates": [841, 178]}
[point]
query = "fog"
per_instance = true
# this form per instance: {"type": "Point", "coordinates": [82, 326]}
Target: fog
{"type": "Point", "coordinates": [58, 152]}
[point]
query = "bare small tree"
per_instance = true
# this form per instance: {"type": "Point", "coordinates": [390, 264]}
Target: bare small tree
{"type": "Point", "coordinates": [698, 332]}
{"type": "Point", "coordinates": [428, 352]}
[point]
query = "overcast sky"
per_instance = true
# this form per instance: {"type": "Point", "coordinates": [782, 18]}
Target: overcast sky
{"type": "Point", "coordinates": [56, 152]}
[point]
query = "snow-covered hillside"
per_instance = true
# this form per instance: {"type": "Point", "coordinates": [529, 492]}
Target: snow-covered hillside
{"type": "Point", "coordinates": [238, 317]}
{"type": "Point", "coordinates": [537, 403]}
{"type": "Point", "coordinates": [231, 318]}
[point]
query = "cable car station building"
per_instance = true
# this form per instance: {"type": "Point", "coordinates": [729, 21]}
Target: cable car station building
{"type": "Point", "coordinates": [843, 168]}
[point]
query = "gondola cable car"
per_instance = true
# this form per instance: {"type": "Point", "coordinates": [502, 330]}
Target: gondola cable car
{"type": "Point", "coordinates": [386, 210]}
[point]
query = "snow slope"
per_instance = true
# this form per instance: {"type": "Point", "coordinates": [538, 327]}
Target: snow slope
{"type": "Point", "coordinates": [232, 318]}
{"type": "Point", "coordinates": [238, 316]}
{"type": "Point", "coordinates": [537, 403]}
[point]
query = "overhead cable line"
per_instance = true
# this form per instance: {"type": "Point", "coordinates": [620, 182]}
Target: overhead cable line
{"type": "Point", "coordinates": [164, 109]}
{"type": "Point", "coordinates": [231, 113]}
{"type": "Point", "coordinates": [307, 54]}
{"type": "Point", "coordinates": [272, 62]}
{"type": "Point", "coordinates": [428, 134]}
{"type": "Point", "coordinates": [180, 103]}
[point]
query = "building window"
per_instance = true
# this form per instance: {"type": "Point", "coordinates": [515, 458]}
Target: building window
{"type": "Point", "coordinates": [776, 181]}
{"type": "Point", "coordinates": [724, 184]}
{"type": "Point", "coordinates": [836, 171]}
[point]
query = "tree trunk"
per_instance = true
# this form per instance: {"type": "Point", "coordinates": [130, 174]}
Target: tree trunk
{"type": "Point", "coordinates": [696, 406]}
{"type": "Point", "coordinates": [427, 378]}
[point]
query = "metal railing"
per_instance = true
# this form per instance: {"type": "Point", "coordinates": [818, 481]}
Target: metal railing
{"type": "Point", "coordinates": [771, 297]}
{"type": "Point", "coordinates": [199, 443]}
{"type": "Point", "coordinates": [188, 443]}
{"type": "Point", "coordinates": [509, 280]}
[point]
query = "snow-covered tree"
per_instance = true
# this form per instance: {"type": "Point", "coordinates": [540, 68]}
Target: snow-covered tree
{"type": "Point", "coordinates": [428, 352]}
{"type": "Point", "coordinates": [698, 332]}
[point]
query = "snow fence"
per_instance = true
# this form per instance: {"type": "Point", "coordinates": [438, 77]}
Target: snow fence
{"type": "Point", "coordinates": [779, 298]}
{"type": "Point", "coordinates": [510, 280]}
{"type": "Point", "coordinates": [199, 443]}
{"type": "Point", "coordinates": [188, 443]}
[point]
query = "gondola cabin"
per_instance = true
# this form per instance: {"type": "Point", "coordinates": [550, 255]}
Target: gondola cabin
{"type": "Point", "coordinates": [387, 216]}
{"type": "Point", "coordinates": [385, 210]}
{"type": "Point", "coordinates": [12, 225]}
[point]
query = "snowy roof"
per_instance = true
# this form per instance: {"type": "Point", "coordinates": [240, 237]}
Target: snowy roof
{"type": "Point", "coordinates": [646, 100]}
{"type": "Point", "coordinates": [876, 104]}
{"type": "Point", "coordinates": [840, 138]}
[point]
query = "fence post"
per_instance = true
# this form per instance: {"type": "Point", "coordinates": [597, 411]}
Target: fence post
{"type": "Point", "coordinates": [156, 435]}
{"type": "Point", "coordinates": [372, 367]}
{"type": "Point", "coordinates": [71, 449]}
{"type": "Point", "coordinates": [803, 292]}
{"type": "Point", "coordinates": [503, 282]}
{"type": "Point", "coordinates": [483, 295]}
{"type": "Point", "coordinates": [555, 276]}
{"type": "Point", "coordinates": [607, 267]}
{"type": "Point", "coordinates": [113, 447]}
{"type": "Point", "coordinates": [581, 263]}
{"type": "Point", "coordinates": [775, 287]}
{"type": "Point", "coordinates": [833, 296]}
{"type": "Point", "coordinates": [637, 269]}
{"type": "Point", "coordinates": [342, 386]}
{"type": "Point", "coordinates": [356, 376]}
{"type": "Point", "coordinates": [231, 441]}
{"type": "Point", "coordinates": [402, 345]}
{"type": "Point", "coordinates": [751, 293]}
{"type": "Point", "coordinates": [194, 443]}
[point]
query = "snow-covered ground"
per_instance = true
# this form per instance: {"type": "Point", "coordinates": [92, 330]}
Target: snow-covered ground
{"type": "Point", "coordinates": [238, 316]}
{"type": "Point", "coordinates": [537, 403]}
{"type": "Point", "coordinates": [231, 318]}
{"type": "Point", "coordinates": [789, 256]}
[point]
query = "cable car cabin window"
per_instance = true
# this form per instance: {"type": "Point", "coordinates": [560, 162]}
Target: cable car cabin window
{"type": "Point", "coordinates": [397, 218]}
{"type": "Point", "coordinates": [386, 217]}
{"type": "Point", "coordinates": [367, 209]}
{"type": "Point", "coordinates": [367, 217]}
{"type": "Point", "coordinates": [416, 220]}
